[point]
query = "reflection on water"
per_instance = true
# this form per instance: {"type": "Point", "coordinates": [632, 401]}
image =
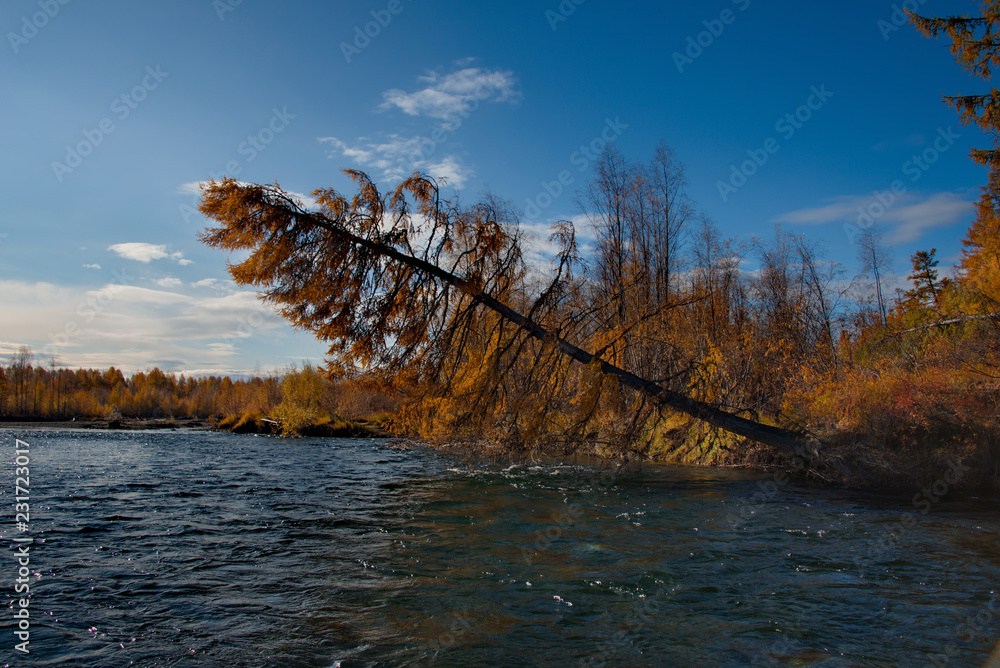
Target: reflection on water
{"type": "Point", "coordinates": [188, 548]}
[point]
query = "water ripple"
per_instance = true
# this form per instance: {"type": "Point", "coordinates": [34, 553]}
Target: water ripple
{"type": "Point", "coordinates": [191, 548]}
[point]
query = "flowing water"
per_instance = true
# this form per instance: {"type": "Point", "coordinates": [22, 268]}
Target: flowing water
{"type": "Point", "coordinates": [201, 549]}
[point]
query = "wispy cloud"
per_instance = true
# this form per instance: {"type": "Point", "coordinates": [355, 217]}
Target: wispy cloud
{"type": "Point", "coordinates": [191, 187]}
{"type": "Point", "coordinates": [169, 282]}
{"type": "Point", "coordinates": [836, 209]}
{"type": "Point", "coordinates": [449, 98]}
{"type": "Point", "coordinates": [134, 327]}
{"type": "Point", "coordinates": [907, 218]}
{"type": "Point", "coordinates": [140, 252]}
{"type": "Point", "coordinates": [445, 96]}
{"type": "Point", "coordinates": [196, 187]}
{"type": "Point", "coordinates": [941, 210]}
{"type": "Point", "coordinates": [396, 157]}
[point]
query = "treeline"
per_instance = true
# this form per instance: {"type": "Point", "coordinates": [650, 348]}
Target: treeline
{"type": "Point", "coordinates": [294, 400]}
{"type": "Point", "coordinates": [31, 389]}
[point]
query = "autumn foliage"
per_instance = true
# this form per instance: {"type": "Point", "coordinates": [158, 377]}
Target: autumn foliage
{"type": "Point", "coordinates": [295, 401]}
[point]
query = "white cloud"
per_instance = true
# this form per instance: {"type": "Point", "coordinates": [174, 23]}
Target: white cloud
{"type": "Point", "coordinates": [450, 98]}
{"type": "Point", "coordinates": [838, 208]}
{"type": "Point", "coordinates": [446, 96]}
{"type": "Point", "coordinates": [134, 328]}
{"type": "Point", "coordinates": [906, 217]}
{"type": "Point", "coordinates": [140, 252]}
{"type": "Point", "coordinates": [133, 294]}
{"type": "Point", "coordinates": [196, 187]}
{"type": "Point", "coordinates": [390, 156]}
{"type": "Point", "coordinates": [191, 188]}
{"type": "Point", "coordinates": [146, 253]}
{"type": "Point", "coordinates": [450, 170]}
{"type": "Point", "coordinates": [398, 157]}
{"type": "Point", "coordinates": [168, 282]}
{"type": "Point", "coordinates": [91, 266]}
{"type": "Point", "coordinates": [941, 210]}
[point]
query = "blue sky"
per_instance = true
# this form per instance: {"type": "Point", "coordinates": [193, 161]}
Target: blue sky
{"type": "Point", "coordinates": [115, 111]}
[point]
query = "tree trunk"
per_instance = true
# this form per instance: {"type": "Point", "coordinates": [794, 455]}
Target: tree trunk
{"type": "Point", "coordinates": [792, 442]}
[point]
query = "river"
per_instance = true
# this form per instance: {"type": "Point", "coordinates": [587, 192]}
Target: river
{"type": "Point", "coordinates": [188, 548]}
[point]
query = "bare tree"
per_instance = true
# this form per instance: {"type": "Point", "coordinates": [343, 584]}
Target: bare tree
{"type": "Point", "coordinates": [673, 212]}
{"type": "Point", "coordinates": [825, 292]}
{"type": "Point", "coordinates": [875, 264]}
{"type": "Point", "coordinates": [639, 212]}
{"type": "Point", "coordinates": [608, 196]}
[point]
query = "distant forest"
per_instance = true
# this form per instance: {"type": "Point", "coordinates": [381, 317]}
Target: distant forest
{"type": "Point", "coordinates": [296, 398]}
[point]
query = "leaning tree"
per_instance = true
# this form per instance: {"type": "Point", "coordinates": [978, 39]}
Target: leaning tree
{"type": "Point", "coordinates": [408, 283]}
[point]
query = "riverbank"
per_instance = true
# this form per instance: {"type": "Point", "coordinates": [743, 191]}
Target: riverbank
{"type": "Point", "coordinates": [323, 428]}
{"type": "Point", "coordinates": [935, 461]}
{"type": "Point", "coordinates": [944, 459]}
{"type": "Point", "coordinates": [332, 429]}
{"type": "Point", "coordinates": [125, 424]}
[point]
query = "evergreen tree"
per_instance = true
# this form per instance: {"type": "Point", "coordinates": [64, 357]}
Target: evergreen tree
{"type": "Point", "coordinates": [975, 43]}
{"type": "Point", "coordinates": [980, 266]}
{"type": "Point", "coordinates": [976, 46]}
{"type": "Point", "coordinates": [926, 287]}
